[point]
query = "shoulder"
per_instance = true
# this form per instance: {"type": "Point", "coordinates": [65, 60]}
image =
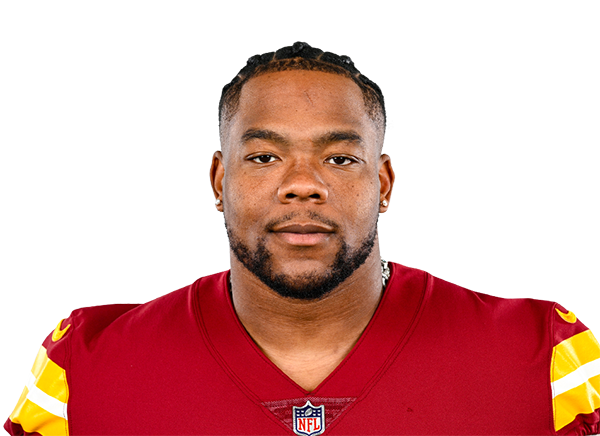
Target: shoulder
{"type": "Point", "coordinates": [86, 327]}
{"type": "Point", "coordinates": [451, 301]}
{"type": "Point", "coordinates": [42, 407]}
{"type": "Point", "coordinates": [457, 305]}
{"type": "Point", "coordinates": [485, 327]}
{"type": "Point", "coordinates": [541, 339]}
{"type": "Point", "coordinates": [99, 326]}
{"type": "Point", "coordinates": [87, 342]}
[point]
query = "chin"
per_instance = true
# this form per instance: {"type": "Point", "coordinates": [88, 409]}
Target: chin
{"type": "Point", "coordinates": [302, 287]}
{"type": "Point", "coordinates": [313, 279]}
{"type": "Point", "coordinates": [304, 278]}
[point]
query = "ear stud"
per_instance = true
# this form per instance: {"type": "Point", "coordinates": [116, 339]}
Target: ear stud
{"type": "Point", "coordinates": [384, 203]}
{"type": "Point", "coordinates": [218, 202]}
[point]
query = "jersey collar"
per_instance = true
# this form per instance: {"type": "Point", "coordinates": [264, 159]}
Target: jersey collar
{"type": "Point", "coordinates": [383, 339]}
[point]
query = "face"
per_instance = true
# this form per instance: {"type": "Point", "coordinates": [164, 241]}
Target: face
{"type": "Point", "coordinates": [301, 179]}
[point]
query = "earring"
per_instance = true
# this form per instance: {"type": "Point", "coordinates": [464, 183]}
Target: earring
{"type": "Point", "coordinates": [384, 203]}
{"type": "Point", "coordinates": [218, 202]}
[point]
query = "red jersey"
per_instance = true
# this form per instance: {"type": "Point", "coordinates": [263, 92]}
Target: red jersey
{"type": "Point", "coordinates": [435, 359]}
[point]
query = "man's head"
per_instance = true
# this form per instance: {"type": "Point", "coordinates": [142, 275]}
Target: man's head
{"type": "Point", "coordinates": [300, 175]}
{"type": "Point", "coordinates": [301, 56]}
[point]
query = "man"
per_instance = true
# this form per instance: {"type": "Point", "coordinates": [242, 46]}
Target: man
{"type": "Point", "coordinates": [311, 332]}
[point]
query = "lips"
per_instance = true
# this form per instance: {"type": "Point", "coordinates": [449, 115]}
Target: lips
{"type": "Point", "coordinates": [303, 234]}
{"type": "Point", "coordinates": [303, 228]}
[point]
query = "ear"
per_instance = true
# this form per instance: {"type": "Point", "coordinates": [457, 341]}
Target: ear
{"type": "Point", "coordinates": [386, 181]}
{"type": "Point", "coordinates": [217, 172]}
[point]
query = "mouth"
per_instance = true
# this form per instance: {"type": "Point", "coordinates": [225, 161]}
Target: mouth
{"type": "Point", "coordinates": [303, 234]}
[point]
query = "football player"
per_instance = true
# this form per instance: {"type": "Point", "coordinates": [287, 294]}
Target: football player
{"type": "Point", "coordinates": [311, 332]}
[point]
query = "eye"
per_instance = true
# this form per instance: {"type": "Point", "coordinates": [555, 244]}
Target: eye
{"type": "Point", "coordinates": [263, 158]}
{"type": "Point", "coordinates": [340, 160]}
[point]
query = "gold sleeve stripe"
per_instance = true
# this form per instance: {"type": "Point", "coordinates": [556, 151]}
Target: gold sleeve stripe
{"type": "Point", "coordinates": [33, 418]}
{"type": "Point", "coordinates": [40, 359]}
{"type": "Point", "coordinates": [573, 353]}
{"type": "Point", "coordinates": [42, 407]}
{"type": "Point", "coordinates": [575, 378]}
{"type": "Point", "coordinates": [49, 377]}
{"type": "Point", "coordinates": [583, 399]}
{"type": "Point", "coordinates": [45, 401]}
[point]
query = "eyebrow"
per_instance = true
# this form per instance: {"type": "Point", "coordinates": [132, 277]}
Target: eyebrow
{"type": "Point", "coordinates": [339, 136]}
{"type": "Point", "coordinates": [267, 135]}
{"type": "Point", "coordinates": [323, 140]}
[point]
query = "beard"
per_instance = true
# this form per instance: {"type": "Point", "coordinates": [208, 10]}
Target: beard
{"type": "Point", "coordinates": [308, 286]}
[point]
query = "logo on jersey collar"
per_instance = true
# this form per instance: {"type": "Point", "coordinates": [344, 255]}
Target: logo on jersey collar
{"type": "Point", "coordinates": [309, 420]}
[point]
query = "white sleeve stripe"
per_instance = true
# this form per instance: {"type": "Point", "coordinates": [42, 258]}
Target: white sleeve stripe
{"type": "Point", "coordinates": [45, 401]}
{"type": "Point", "coordinates": [576, 378]}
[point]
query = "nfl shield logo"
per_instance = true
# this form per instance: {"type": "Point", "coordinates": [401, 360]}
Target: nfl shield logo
{"type": "Point", "coordinates": [309, 420]}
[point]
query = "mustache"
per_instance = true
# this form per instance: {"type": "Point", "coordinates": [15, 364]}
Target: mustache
{"type": "Point", "coordinates": [290, 216]}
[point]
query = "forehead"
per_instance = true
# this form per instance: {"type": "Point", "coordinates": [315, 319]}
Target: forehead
{"type": "Point", "coordinates": [301, 101]}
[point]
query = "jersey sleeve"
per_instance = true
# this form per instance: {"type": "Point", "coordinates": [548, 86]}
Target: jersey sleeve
{"type": "Point", "coordinates": [42, 407]}
{"type": "Point", "coordinates": [574, 375]}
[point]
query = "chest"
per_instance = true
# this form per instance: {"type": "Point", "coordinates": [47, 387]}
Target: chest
{"type": "Point", "coordinates": [428, 388]}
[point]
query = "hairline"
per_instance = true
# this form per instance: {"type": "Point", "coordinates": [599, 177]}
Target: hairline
{"type": "Point", "coordinates": [229, 111]}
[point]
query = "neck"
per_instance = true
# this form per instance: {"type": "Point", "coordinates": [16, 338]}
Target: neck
{"type": "Point", "coordinates": [307, 339]}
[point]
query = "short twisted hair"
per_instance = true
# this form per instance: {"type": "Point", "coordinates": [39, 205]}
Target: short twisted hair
{"type": "Point", "coordinates": [301, 56]}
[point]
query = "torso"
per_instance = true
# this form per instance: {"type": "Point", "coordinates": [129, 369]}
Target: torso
{"type": "Point", "coordinates": [435, 358]}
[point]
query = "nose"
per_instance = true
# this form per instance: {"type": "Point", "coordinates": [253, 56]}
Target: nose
{"type": "Point", "coordinates": [302, 183]}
